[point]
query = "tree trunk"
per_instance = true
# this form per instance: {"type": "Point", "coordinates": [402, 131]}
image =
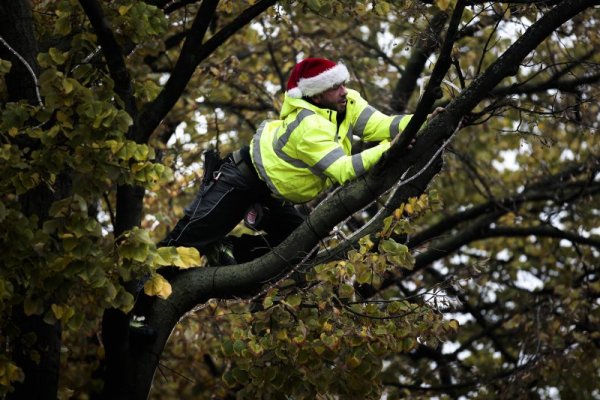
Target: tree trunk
{"type": "Point", "coordinates": [41, 377]}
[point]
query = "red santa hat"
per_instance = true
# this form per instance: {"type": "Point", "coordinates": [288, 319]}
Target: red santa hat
{"type": "Point", "coordinates": [312, 76]}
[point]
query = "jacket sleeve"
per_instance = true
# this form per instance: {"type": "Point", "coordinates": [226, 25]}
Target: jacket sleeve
{"type": "Point", "coordinates": [325, 157]}
{"type": "Point", "coordinates": [372, 125]}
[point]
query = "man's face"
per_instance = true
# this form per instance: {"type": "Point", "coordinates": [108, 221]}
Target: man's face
{"type": "Point", "coordinates": [334, 98]}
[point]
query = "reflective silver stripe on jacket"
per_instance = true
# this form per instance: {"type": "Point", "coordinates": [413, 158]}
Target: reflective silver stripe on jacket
{"type": "Point", "coordinates": [357, 163]}
{"type": "Point", "coordinates": [363, 118]}
{"type": "Point", "coordinates": [395, 126]}
{"type": "Point", "coordinates": [349, 134]}
{"type": "Point", "coordinates": [329, 159]}
{"type": "Point", "coordinates": [279, 143]}
{"type": "Point", "coordinates": [282, 141]}
{"type": "Point", "coordinates": [257, 158]}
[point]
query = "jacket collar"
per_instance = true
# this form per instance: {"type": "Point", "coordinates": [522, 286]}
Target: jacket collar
{"type": "Point", "coordinates": [291, 104]}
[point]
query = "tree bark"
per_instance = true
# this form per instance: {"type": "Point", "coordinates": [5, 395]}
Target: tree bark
{"type": "Point", "coordinates": [41, 378]}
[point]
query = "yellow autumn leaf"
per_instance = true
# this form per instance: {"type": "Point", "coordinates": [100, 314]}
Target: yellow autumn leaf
{"type": "Point", "coordinates": [443, 4]}
{"type": "Point", "coordinates": [188, 257]}
{"type": "Point", "coordinates": [453, 324]}
{"type": "Point", "coordinates": [158, 286]}
{"type": "Point", "coordinates": [509, 219]}
{"type": "Point", "coordinates": [423, 202]}
{"type": "Point", "coordinates": [58, 310]}
{"type": "Point", "coordinates": [123, 10]}
{"type": "Point", "coordinates": [398, 212]}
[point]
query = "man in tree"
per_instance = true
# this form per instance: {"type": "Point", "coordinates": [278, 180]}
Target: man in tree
{"type": "Point", "coordinates": [289, 161]}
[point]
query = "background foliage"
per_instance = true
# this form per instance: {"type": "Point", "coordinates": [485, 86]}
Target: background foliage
{"type": "Point", "coordinates": [486, 284]}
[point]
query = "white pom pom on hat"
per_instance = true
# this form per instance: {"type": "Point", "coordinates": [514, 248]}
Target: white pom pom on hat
{"type": "Point", "coordinates": [312, 76]}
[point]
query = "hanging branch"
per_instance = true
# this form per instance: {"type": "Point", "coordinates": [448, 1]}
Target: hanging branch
{"type": "Point", "coordinates": [26, 64]}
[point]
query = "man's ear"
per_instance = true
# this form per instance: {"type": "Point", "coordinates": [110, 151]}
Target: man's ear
{"type": "Point", "coordinates": [316, 99]}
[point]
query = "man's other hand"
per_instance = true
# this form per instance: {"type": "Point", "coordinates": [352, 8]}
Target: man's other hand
{"type": "Point", "coordinates": [435, 112]}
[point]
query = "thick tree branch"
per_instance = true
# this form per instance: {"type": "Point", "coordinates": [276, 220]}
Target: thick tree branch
{"type": "Point", "coordinates": [442, 248]}
{"type": "Point", "coordinates": [545, 189]}
{"type": "Point", "coordinates": [481, 229]}
{"type": "Point", "coordinates": [541, 231]}
{"type": "Point", "coordinates": [565, 85]}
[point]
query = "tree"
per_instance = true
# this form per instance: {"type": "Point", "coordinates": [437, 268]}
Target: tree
{"type": "Point", "coordinates": [96, 98]}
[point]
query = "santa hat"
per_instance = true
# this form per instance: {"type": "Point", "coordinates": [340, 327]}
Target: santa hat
{"type": "Point", "coordinates": [312, 76]}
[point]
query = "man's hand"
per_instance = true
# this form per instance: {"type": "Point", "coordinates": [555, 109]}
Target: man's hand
{"type": "Point", "coordinates": [435, 112]}
{"type": "Point", "coordinates": [395, 140]}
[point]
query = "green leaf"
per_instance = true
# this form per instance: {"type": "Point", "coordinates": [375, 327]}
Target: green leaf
{"type": "Point", "coordinates": [60, 208]}
{"type": "Point", "coordinates": [58, 56]}
{"type": "Point", "coordinates": [255, 348]}
{"type": "Point", "coordinates": [124, 301]}
{"type": "Point", "coordinates": [239, 346]}
{"type": "Point", "coordinates": [229, 379]}
{"type": "Point", "coordinates": [392, 247]}
{"type": "Point", "coordinates": [267, 302]}
{"type": "Point", "coordinates": [346, 291]}
{"type": "Point", "coordinates": [352, 361]}
{"type": "Point", "coordinates": [294, 300]}
{"type": "Point", "coordinates": [382, 8]}
{"type": "Point", "coordinates": [5, 66]}
{"type": "Point", "coordinates": [408, 344]}
{"type": "Point", "coordinates": [314, 5]}
{"type": "Point", "coordinates": [240, 375]}
{"type": "Point", "coordinates": [141, 152]}
{"type": "Point", "coordinates": [364, 276]}
{"type": "Point", "coordinates": [227, 348]}
{"type": "Point", "coordinates": [62, 26]}
{"type": "Point", "coordinates": [134, 251]}
{"type": "Point", "coordinates": [164, 256]}
{"type": "Point", "coordinates": [443, 4]}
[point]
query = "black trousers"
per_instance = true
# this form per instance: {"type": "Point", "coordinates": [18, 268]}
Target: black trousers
{"type": "Point", "coordinates": [221, 204]}
{"type": "Point", "coordinates": [218, 207]}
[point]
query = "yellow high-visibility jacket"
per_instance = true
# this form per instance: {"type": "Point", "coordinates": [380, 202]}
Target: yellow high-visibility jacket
{"type": "Point", "coordinates": [306, 151]}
